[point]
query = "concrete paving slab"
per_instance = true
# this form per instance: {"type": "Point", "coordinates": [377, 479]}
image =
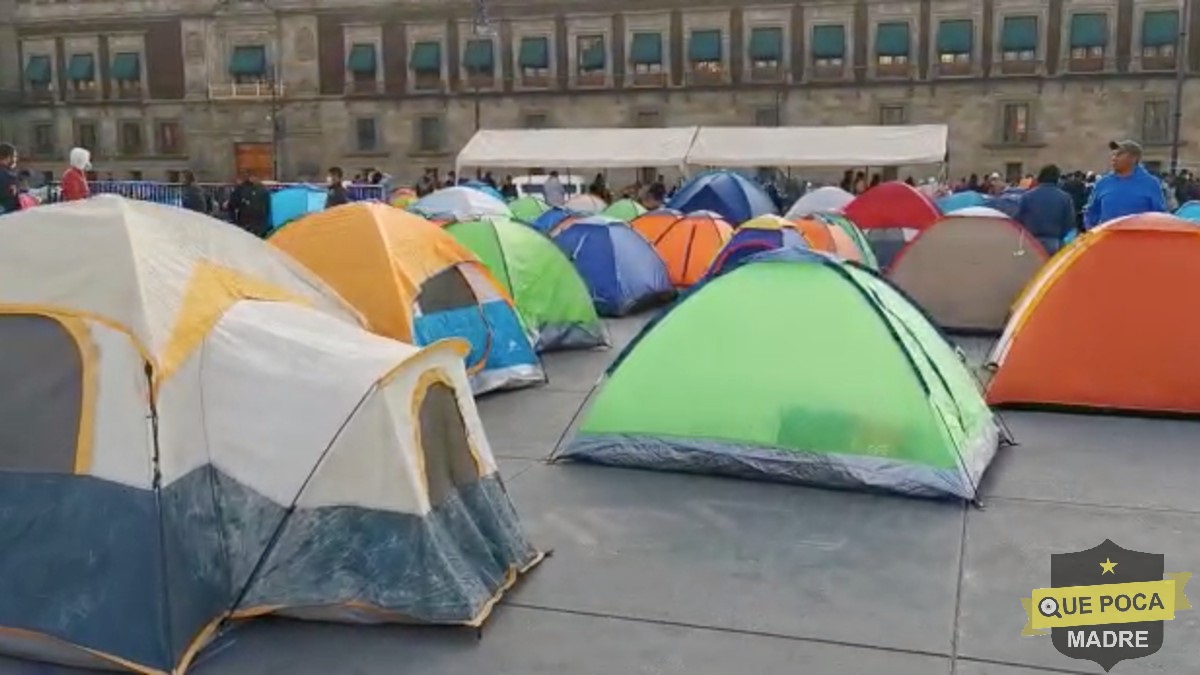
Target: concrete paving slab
{"type": "Point", "coordinates": [1008, 550]}
{"type": "Point", "coordinates": [528, 642]}
{"type": "Point", "coordinates": [1089, 459]}
{"type": "Point", "coordinates": [511, 468]}
{"type": "Point", "coordinates": [715, 552]}
{"type": "Point", "coordinates": [978, 668]}
{"type": "Point", "coordinates": [624, 329]}
{"type": "Point", "coordinates": [576, 371]}
{"type": "Point", "coordinates": [528, 418]}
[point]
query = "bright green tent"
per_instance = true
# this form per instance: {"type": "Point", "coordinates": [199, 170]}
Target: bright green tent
{"type": "Point", "coordinates": [549, 294]}
{"type": "Point", "coordinates": [795, 367]}
{"type": "Point", "coordinates": [527, 209]}
{"type": "Point", "coordinates": [624, 209]}
{"type": "Point", "coordinates": [860, 240]}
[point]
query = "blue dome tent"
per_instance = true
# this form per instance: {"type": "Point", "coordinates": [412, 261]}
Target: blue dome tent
{"type": "Point", "coordinates": [728, 193]}
{"type": "Point", "coordinates": [297, 201]}
{"type": "Point", "coordinates": [961, 200]}
{"type": "Point", "coordinates": [623, 272]}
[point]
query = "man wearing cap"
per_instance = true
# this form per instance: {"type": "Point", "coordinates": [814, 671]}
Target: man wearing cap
{"type": "Point", "coordinates": [1127, 190]}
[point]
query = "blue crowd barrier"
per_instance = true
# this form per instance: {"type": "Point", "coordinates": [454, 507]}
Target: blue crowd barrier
{"type": "Point", "coordinates": [172, 193]}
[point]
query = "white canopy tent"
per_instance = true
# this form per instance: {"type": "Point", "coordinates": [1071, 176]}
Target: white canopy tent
{"type": "Point", "coordinates": [819, 146]}
{"type": "Point", "coordinates": [577, 148]}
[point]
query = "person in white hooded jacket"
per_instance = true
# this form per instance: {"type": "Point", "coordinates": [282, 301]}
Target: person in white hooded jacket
{"type": "Point", "coordinates": [74, 179]}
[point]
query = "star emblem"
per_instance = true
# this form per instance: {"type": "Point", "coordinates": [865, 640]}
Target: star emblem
{"type": "Point", "coordinates": [1108, 566]}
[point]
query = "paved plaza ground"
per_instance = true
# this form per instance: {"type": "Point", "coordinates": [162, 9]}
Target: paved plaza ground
{"type": "Point", "coordinates": [666, 574]}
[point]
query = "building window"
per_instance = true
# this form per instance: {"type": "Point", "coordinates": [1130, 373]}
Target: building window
{"type": "Point", "coordinates": [892, 46]}
{"type": "Point", "coordinates": [1089, 36]}
{"type": "Point", "coordinates": [648, 119]}
{"type": "Point", "coordinates": [129, 138]}
{"type": "Point", "coordinates": [766, 48]}
{"type": "Point", "coordinates": [169, 137]}
{"type": "Point", "coordinates": [126, 70]}
{"type": "Point", "coordinates": [81, 73]}
{"type": "Point", "coordinates": [479, 60]}
{"type": "Point", "coordinates": [829, 47]}
{"type": "Point", "coordinates": [38, 72]}
{"type": "Point", "coordinates": [766, 117]}
{"type": "Point", "coordinates": [43, 139]}
{"type": "Point", "coordinates": [85, 135]}
{"type": "Point", "coordinates": [955, 42]}
{"type": "Point", "coordinates": [426, 64]}
{"type": "Point", "coordinates": [646, 53]}
{"type": "Point", "coordinates": [590, 55]}
{"type": "Point", "coordinates": [1019, 39]}
{"type": "Point", "coordinates": [363, 63]}
{"type": "Point", "coordinates": [1016, 123]}
{"type": "Point", "coordinates": [431, 134]}
{"type": "Point", "coordinates": [366, 134]}
{"type": "Point", "coordinates": [248, 64]}
{"type": "Point", "coordinates": [533, 58]}
{"type": "Point", "coordinates": [893, 115]}
{"type": "Point", "coordinates": [1160, 35]}
{"type": "Point", "coordinates": [705, 53]}
{"type": "Point", "coordinates": [536, 120]}
{"type": "Point", "coordinates": [1013, 172]}
{"type": "Point", "coordinates": [1156, 122]}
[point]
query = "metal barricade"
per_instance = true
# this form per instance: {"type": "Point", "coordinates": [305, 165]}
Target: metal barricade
{"type": "Point", "coordinates": [218, 193]}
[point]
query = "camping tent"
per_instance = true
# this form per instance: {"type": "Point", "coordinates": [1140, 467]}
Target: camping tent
{"type": "Point", "coordinates": [828, 199]}
{"type": "Point", "coordinates": [529, 208]}
{"type": "Point", "coordinates": [732, 195]}
{"type": "Point", "coordinates": [296, 201]}
{"type": "Point", "coordinates": [459, 203]}
{"type": "Point", "coordinates": [586, 204]}
{"type": "Point", "coordinates": [756, 235]}
{"type": "Point", "coordinates": [862, 247]}
{"type": "Point", "coordinates": [198, 431]}
{"type": "Point", "coordinates": [1106, 323]}
{"type": "Point", "coordinates": [883, 402]}
{"type": "Point", "coordinates": [548, 293]}
{"type": "Point", "coordinates": [415, 283]}
{"type": "Point", "coordinates": [623, 272]}
{"type": "Point", "coordinates": [891, 214]}
{"type": "Point", "coordinates": [687, 244]}
{"type": "Point", "coordinates": [625, 209]}
{"type": "Point", "coordinates": [979, 211]}
{"type": "Point", "coordinates": [966, 272]}
{"type": "Point", "coordinates": [960, 200]}
{"type": "Point", "coordinates": [552, 218]}
{"type": "Point", "coordinates": [1189, 211]}
{"type": "Point", "coordinates": [484, 187]}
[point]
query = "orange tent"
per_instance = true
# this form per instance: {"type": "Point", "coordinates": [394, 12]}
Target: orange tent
{"type": "Point", "coordinates": [1104, 324]}
{"type": "Point", "coordinates": [688, 244]}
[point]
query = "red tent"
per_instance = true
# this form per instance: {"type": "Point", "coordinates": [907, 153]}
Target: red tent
{"type": "Point", "coordinates": [893, 205]}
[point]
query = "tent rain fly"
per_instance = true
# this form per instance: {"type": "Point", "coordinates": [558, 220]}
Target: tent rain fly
{"type": "Point", "coordinates": [577, 148]}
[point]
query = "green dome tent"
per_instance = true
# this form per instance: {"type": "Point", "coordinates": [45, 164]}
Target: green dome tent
{"type": "Point", "coordinates": [548, 293]}
{"type": "Point", "coordinates": [528, 208]}
{"type": "Point", "coordinates": [860, 240]}
{"type": "Point", "coordinates": [624, 209]}
{"type": "Point", "coordinates": [795, 367]}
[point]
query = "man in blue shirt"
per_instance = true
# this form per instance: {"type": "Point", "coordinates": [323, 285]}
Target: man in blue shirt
{"type": "Point", "coordinates": [1128, 190]}
{"type": "Point", "coordinates": [1046, 211]}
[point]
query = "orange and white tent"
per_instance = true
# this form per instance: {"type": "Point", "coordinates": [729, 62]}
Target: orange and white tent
{"type": "Point", "coordinates": [1109, 323]}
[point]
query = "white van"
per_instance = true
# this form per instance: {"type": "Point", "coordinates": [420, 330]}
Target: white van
{"type": "Point", "coordinates": [532, 185]}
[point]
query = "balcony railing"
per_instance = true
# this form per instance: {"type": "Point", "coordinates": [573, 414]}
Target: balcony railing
{"type": "Point", "coordinates": [364, 87]}
{"type": "Point", "coordinates": [249, 91]}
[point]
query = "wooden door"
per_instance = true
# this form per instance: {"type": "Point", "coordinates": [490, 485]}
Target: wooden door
{"type": "Point", "coordinates": [254, 158]}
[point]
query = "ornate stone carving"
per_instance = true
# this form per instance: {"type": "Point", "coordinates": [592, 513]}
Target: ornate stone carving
{"type": "Point", "coordinates": [193, 46]}
{"type": "Point", "coordinates": [305, 44]}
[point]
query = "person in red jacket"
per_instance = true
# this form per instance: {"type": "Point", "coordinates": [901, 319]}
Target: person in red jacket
{"type": "Point", "coordinates": [74, 179]}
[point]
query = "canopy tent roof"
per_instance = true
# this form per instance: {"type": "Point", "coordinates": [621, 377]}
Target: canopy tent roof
{"type": "Point", "coordinates": [819, 146]}
{"type": "Point", "coordinates": [577, 148]}
{"type": "Point", "coordinates": [707, 146]}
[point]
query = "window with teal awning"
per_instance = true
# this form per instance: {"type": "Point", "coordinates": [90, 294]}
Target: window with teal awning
{"type": "Point", "coordinates": [362, 59]}
{"type": "Point", "coordinates": [81, 68]}
{"type": "Point", "coordinates": [955, 36]}
{"type": "Point", "coordinates": [766, 44]}
{"type": "Point", "coordinates": [704, 46]}
{"type": "Point", "coordinates": [891, 39]}
{"type": "Point", "coordinates": [829, 42]}
{"type": "Point", "coordinates": [127, 67]}
{"type": "Point", "coordinates": [1089, 30]}
{"type": "Point", "coordinates": [534, 53]}
{"type": "Point", "coordinates": [479, 57]}
{"type": "Point", "coordinates": [646, 49]}
{"type": "Point", "coordinates": [38, 71]}
{"type": "Point", "coordinates": [591, 53]}
{"type": "Point", "coordinates": [1019, 34]}
{"type": "Point", "coordinates": [1160, 28]}
{"type": "Point", "coordinates": [426, 58]}
{"type": "Point", "coordinates": [248, 61]}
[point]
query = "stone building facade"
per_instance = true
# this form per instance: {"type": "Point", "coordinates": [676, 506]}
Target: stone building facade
{"type": "Point", "coordinates": [292, 86]}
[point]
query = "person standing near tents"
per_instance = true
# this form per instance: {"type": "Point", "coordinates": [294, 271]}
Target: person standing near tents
{"type": "Point", "coordinates": [250, 206]}
{"type": "Point", "coordinates": [553, 190]}
{"type": "Point", "coordinates": [74, 179]}
{"type": "Point", "coordinates": [337, 194]}
{"type": "Point", "coordinates": [192, 197]}
{"type": "Point", "coordinates": [10, 199]}
{"type": "Point", "coordinates": [1047, 211]}
{"type": "Point", "coordinates": [1125, 191]}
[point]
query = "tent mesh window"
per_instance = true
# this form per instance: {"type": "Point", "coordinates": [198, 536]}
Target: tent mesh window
{"type": "Point", "coordinates": [39, 430]}
{"type": "Point", "coordinates": [449, 464]}
{"type": "Point", "coordinates": [445, 291]}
